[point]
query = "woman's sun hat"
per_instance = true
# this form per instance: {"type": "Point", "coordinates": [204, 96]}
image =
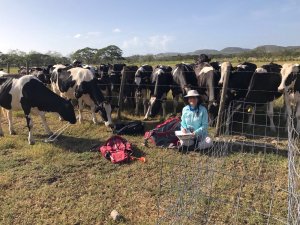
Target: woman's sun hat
{"type": "Point", "coordinates": [192, 93]}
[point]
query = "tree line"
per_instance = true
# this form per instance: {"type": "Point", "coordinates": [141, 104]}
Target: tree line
{"type": "Point", "coordinates": [113, 54]}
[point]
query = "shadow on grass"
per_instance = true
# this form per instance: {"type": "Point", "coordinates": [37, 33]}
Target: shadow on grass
{"type": "Point", "coordinates": [81, 144]}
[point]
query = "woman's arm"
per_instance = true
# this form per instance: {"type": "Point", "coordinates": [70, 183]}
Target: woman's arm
{"type": "Point", "coordinates": [183, 123]}
{"type": "Point", "coordinates": [204, 123]}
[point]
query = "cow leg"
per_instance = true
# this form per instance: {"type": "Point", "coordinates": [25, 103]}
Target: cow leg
{"type": "Point", "coordinates": [44, 122]}
{"type": "Point", "coordinates": [175, 103]}
{"type": "Point", "coordinates": [270, 113]}
{"type": "Point", "coordinates": [94, 118]}
{"type": "Point", "coordinates": [1, 131]}
{"type": "Point", "coordinates": [80, 108]}
{"type": "Point", "coordinates": [145, 101]}
{"type": "Point", "coordinates": [250, 117]}
{"type": "Point", "coordinates": [164, 105]}
{"type": "Point", "coordinates": [137, 101]}
{"type": "Point", "coordinates": [10, 124]}
{"type": "Point", "coordinates": [27, 110]}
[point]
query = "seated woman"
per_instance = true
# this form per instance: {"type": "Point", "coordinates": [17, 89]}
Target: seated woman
{"type": "Point", "coordinates": [194, 123]}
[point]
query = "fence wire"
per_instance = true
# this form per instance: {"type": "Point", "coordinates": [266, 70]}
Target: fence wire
{"type": "Point", "coordinates": [249, 176]}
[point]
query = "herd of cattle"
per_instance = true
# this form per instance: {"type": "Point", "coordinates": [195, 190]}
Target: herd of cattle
{"type": "Point", "coordinates": [95, 87]}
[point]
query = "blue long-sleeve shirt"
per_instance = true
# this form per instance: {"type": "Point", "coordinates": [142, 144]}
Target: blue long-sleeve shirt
{"type": "Point", "coordinates": [193, 122]}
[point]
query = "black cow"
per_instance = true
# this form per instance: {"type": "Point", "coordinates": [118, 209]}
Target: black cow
{"type": "Point", "coordinates": [143, 82]}
{"type": "Point", "coordinates": [114, 73]}
{"type": "Point", "coordinates": [28, 93]}
{"type": "Point", "coordinates": [184, 78]}
{"type": "Point", "coordinates": [161, 80]}
{"type": "Point", "coordinates": [246, 66]}
{"type": "Point", "coordinates": [78, 83]}
{"type": "Point", "coordinates": [129, 86]}
{"type": "Point", "coordinates": [42, 73]}
{"type": "Point", "coordinates": [104, 81]}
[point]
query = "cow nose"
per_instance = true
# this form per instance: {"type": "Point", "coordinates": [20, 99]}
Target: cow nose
{"type": "Point", "coordinates": [281, 90]}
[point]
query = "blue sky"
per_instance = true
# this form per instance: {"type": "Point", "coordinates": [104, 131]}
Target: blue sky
{"type": "Point", "coordinates": [140, 27]}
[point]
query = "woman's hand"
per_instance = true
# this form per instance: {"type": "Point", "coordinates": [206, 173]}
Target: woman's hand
{"type": "Point", "coordinates": [183, 130]}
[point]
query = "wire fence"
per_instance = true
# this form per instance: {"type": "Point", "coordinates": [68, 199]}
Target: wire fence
{"type": "Point", "coordinates": [249, 176]}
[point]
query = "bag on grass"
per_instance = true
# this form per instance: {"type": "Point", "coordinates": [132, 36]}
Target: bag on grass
{"type": "Point", "coordinates": [117, 150]}
{"type": "Point", "coordinates": [164, 134]}
{"type": "Point", "coordinates": [134, 127]}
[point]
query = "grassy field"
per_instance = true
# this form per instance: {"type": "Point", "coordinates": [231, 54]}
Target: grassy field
{"type": "Point", "coordinates": [67, 183]}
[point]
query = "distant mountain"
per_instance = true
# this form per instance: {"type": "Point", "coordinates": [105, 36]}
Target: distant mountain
{"type": "Point", "coordinates": [204, 51]}
{"type": "Point", "coordinates": [233, 50]}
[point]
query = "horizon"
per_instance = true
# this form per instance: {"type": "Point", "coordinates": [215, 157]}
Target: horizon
{"type": "Point", "coordinates": [139, 28]}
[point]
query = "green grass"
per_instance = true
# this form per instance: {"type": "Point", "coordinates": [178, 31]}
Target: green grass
{"type": "Point", "coordinates": [66, 183]}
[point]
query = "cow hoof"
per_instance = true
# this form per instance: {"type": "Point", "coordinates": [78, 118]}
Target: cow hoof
{"type": "Point", "coordinates": [12, 132]}
{"type": "Point", "coordinates": [1, 135]}
{"type": "Point", "coordinates": [50, 133]}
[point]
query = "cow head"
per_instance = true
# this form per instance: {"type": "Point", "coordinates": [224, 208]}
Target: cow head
{"type": "Point", "coordinates": [90, 87]}
{"type": "Point", "coordinates": [142, 76]}
{"type": "Point", "coordinates": [288, 76]}
{"type": "Point", "coordinates": [63, 78]}
{"type": "Point", "coordinates": [67, 112]}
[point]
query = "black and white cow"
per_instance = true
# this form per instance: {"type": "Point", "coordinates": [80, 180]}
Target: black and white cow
{"type": "Point", "coordinates": [185, 79]}
{"type": "Point", "coordinates": [161, 82]}
{"type": "Point", "coordinates": [260, 94]}
{"type": "Point", "coordinates": [78, 83]}
{"type": "Point", "coordinates": [208, 89]}
{"type": "Point", "coordinates": [290, 86]}
{"type": "Point", "coordinates": [42, 73]}
{"type": "Point", "coordinates": [27, 93]}
{"type": "Point", "coordinates": [143, 82]}
{"type": "Point", "coordinates": [246, 66]}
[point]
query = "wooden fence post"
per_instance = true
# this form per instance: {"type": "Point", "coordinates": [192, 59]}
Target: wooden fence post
{"type": "Point", "coordinates": [222, 104]}
{"type": "Point", "coordinates": [27, 67]}
{"type": "Point", "coordinates": [8, 67]}
{"type": "Point", "coordinates": [120, 102]}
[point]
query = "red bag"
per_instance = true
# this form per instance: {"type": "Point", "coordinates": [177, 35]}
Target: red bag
{"type": "Point", "coordinates": [117, 150]}
{"type": "Point", "coordinates": [164, 134]}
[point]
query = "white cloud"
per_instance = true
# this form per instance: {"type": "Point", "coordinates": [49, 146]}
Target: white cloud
{"type": "Point", "coordinates": [93, 33]}
{"type": "Point", "coordinates": [134, 42]}
{"type": "Point", "coordinates": [153, 44]}
{"type": "Point", "coordinates": [77, 35]}
{"type": "Point", "coordinates": [159, 42]}
{"type": "Point", "coordinates": [116, 30]}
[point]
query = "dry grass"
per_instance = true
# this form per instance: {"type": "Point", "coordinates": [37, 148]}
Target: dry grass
{"type": "Point", "coordinates": [66, 183]}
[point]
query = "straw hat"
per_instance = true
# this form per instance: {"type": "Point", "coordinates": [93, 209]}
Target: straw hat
{"type": "Point", "coordinates": [192, 93]}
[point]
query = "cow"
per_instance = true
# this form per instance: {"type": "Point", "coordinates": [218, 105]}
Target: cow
{"type": "Point", "coordinates": [161, 81]}
{"type": "Point", "coordinates": [42, 73]}
{"type": "Point", "coordinates": [143, 82]}
{"type": "Point", "coordinates": [208, 88]}
{"type": "Point", "coordinates": [246, 66]}
{"type": "Point", "coordinates": [78, 83]}
{"type": "Point", "coordinates": [259, 93]}
{"type": "Point", "coordinates": [129, 86]}
{"type": "Point", "coordinates": [248, 85]}
{"type": "Point", "coordinates": [184, 79]}
{"type": "Point", "coordinates": [290, 87]}
{"type": "Point", "coordinates": [27, 93]}
{"type": "Point", "coordinates": [104, 81]}
{"type": "Point", "coordinates": [114, 73]}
